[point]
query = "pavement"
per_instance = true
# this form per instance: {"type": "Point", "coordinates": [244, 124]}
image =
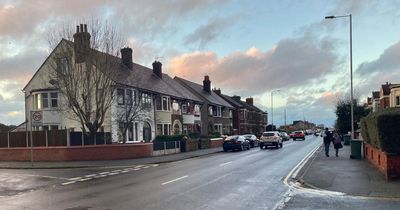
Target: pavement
{"type": "Point", "coordinates": [108, 163]}
{"type": "Point", "coordinates": [350, 176]}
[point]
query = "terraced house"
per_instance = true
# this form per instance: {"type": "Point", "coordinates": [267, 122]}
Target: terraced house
{"type": "Point", "coordinates": [216, 113]}
{"type": "Point", "coordinates": [143, 102]}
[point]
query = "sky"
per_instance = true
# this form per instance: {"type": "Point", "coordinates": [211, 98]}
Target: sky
{"type": "Point", "coordinates": [248, 48]}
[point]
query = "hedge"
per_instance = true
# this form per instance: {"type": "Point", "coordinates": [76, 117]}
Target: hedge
{"type": "Point", "coordinates": [381, 129]}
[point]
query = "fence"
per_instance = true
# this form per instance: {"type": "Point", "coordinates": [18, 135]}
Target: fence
{"type": "Point", "coordinates": [166, 147]}
{"type": "Point", "coordinates": [51, 138]}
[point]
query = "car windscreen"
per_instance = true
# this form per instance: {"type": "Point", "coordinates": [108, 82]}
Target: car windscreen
{"type": "Point", "coordinates": [232, 138]}
{"type": "Point", "coordinates": [299, 132]}
{"type": "Point", "coordinates": [268, 134]}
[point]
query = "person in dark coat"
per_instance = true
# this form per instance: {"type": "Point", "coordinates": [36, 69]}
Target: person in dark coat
{"type": "Point", "coordinates": [327, 136]}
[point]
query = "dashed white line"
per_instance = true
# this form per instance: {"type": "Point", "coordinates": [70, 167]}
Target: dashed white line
{"type": "Point", "coordinates": [75, 178]}
{"type": "Point", "coordinates": [85, 179]}
{"type": "Point", "coordinates": [174, 180]}
{"type": "Point", "coordinates": [67, 183]}
{"type": "Point", "coordinates": [90, 175]}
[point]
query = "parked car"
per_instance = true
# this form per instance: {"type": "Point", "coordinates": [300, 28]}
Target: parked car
{"type": "Point", "coordinates": [271, 138]}
{"type": "Point", "coordinates": [235, 142]}
{"type": "Point", "coordinates": [254, 142]}
{"type": "Point", "coordinates": [285, 136]}
{"type": "Point", "coordinates": [298, 135]}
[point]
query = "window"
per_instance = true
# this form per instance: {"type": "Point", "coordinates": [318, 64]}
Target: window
{"type": "Point", "coordinates": [163, 103]}
{"type": "Point", "coordinates": [219, 111]}
{"type": "Point", "coordinates": [64, 65]}
{"type": "Point", "coordinates": [196, 110]}
{"type": "Point", "coordinates": [120, 96]}
{"type": "Point", "coordinates": [184, 108]}
{"type": "Point", "coordinates": [54, 99]}
{"type": "Point", "coordinates": [163, 129]}
{"type": "Point", "coordinates": [397, 100]}
{"type": "Point", "coordinates": [53, 127]}
{"type": "Point", "coordinates": [45, 100]}
{"type": "Point", "coordinates": [210, 110]}
{"type": "Point", "coordinates": [129, 100]}
{"type": "Point", "coordinates": [146, 100]}
{"type": "Point", "coordinates": [218, 128]}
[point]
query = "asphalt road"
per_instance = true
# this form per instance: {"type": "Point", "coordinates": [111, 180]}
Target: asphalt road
{"type": "Point", "coordinates": [234, 180]}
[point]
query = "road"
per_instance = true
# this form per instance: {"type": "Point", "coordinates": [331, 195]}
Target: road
{"type": "Point", "coordinates": [234, 180]}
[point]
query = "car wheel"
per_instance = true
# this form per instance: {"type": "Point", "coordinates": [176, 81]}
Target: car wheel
{"type": "Point", "coordinates": [241, 147]}
{"type": "Point", "coordinates": [304, 139]}
{"type": "Point", "coordinates": [225, 150]}
{"type": "Point", "coordinates": [281, 144]}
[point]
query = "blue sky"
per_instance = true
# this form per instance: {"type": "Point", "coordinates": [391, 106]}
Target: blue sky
{"type": "Point", "coordinates": [247, 47]}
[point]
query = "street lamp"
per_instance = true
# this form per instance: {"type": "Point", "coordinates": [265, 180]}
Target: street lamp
{"type": "Point", "coordinates": [272, 108]}
{"type": "Point", "coordinates": [351, 71]}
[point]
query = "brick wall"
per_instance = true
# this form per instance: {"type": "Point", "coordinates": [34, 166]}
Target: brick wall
{"type": "Point", "coordinates": [388, 164]}
{"type": "Point", "coordinates": [216, 142]}
{"type": "Point", "coordinates": [99, 152]}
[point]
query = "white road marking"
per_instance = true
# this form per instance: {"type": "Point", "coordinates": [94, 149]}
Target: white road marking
{"type": "Point", "coordinates": [106, 173]}
{"type": "Point", "coordinates": [67, 183]}
{"type": "Point", "coordinates": [75, 178]}
{"type": "Point", "coordinates": [85, 179]}
{"type": "Point", "coordinates": [174, 180]}
{"type": "Point", "coordinates": [223, 164]}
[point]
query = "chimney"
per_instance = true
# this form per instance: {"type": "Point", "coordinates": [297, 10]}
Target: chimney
{"type": "Point", "coordinates": [126, 56]}
{"type": "Point", "coordinates": [217, 91]}
{"type": "Point", "coordinates": [207, 84]}
{"type": "Point", "coordinates": [157, 68]}
{"type": "Point", "coordinates": [236, 98]}
{"type": "Point", "coordinates": [81, 43]}
{"type": "Point", "coordinates": [249, 101]}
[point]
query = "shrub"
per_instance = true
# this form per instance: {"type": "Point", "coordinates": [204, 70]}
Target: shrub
{"type": "Point", "coordinates": [381, 130]}
{"type": "Point", "coordinates": [215, 135]}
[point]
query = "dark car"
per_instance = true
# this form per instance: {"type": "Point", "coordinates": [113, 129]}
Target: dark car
{"type": "Point", "coordinates": [235, 143]}
{"type": "Point", "coordinates": [253, 140]}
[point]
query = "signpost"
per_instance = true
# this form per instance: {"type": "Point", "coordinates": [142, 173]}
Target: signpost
{"type": "Point", "coordinates": [36, 120]}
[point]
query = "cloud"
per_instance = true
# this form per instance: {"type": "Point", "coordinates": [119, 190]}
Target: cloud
{"type": "Point", "coordinates": [14, 113]}
{"type": "Point", "coordinates": [289, 63]}
{"type": "Point", "coordinates": [209, 32]}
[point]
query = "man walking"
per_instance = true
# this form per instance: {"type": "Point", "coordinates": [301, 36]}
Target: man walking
{"type": "Point", "coordinates": [327, 141]}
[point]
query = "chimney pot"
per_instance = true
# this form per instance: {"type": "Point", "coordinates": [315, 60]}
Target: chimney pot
{"type": "Point", "coordinates": [81, 28]}
{"type": "Point", "coordinates": [249, 101]}
{"type": "Point", "coordinates": [77, 29]}
{"type": "Point", "coordinates": [85, 27]}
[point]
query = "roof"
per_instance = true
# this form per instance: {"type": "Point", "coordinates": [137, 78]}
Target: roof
{"type": "Point", "coordinates": [231, 101]}
{"type": "Point", "coordinates": [211, 97]}
{"type": "Point", "coordinates": [140, 77]}
{"type": "Point", "coordinates": [247, 106]}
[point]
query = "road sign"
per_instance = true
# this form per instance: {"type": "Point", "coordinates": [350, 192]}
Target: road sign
{"type": "Point", "coordinates": [37, 118]}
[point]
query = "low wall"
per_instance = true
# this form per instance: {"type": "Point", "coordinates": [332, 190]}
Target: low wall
{"type": "Point", "coordinates": [166, 151]}
{"type": "Point", "coordinates": [79, 153]}
{"type": "Point", "coordinates": [217, 142]}
{"type": "Point", "coordinates": [388, 164]}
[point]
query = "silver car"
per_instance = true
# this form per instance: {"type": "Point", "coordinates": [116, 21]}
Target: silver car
{"type": "Point", "coordinates": [271, 138]}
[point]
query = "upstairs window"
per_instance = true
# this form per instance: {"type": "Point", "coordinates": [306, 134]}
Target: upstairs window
{"type": "Point", "coordinates": [163, 103]}
{"type": "Point", "coordinates": [54, 99]}
{"type": "Point", "coordinates": [120, 96]}
{"type": "Point", "coordinates": [184, 108]}
{"type": "Point", "coordinates": [63, 65]}
{"type": "Point", "coordinates": [129, 100]}
{"type": "Point", "coordinates": [397, 100]}
{"type": "Point", "coordinates": [146, 100]}
{"type": "Point", "coordinates": [45, 100]}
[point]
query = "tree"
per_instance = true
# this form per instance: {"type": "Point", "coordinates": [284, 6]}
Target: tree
{"type": "Point", "coordinates": [132, 109]}
{"type": "Point", "coordinates": [82, 72]}
{"type": "Point", "coordinates": [343, 114]}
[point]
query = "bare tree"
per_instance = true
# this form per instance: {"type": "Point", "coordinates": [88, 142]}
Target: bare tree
{"type": "Point", "coordinates": [82, 67]}
{"type": "Point", "coordinates": [132, 109]}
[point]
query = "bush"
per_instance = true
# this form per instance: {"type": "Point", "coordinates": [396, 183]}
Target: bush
{"type": "Point", "coordinates": [381, 130]}
{"type": "Point", "coordinates": [214, 135]}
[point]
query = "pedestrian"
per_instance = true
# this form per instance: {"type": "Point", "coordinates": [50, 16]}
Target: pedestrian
{"type": "Point", "coordinates": [337, 143]}
{"type": "Point", "coordinates": [327, 136]}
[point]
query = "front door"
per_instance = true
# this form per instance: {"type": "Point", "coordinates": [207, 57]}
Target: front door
{"type": "Point", "coordinates": [146, 132]}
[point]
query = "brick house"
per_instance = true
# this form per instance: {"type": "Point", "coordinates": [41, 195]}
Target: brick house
{"type": "Point", "coordinates": [394, 96]}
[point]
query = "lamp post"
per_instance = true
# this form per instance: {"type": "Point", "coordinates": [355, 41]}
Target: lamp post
{"type": "Point", "coordinates": [351, 70]}
{"type": "Point", "coordinates": [272, 108]}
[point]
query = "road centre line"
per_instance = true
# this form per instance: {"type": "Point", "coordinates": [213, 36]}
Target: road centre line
{"type": "Point", "coordinates": [67, 183]}
{"type": "Point", "coordinates": [174, 180]}
{"type": "Point", "coordinates": [223, 164]}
